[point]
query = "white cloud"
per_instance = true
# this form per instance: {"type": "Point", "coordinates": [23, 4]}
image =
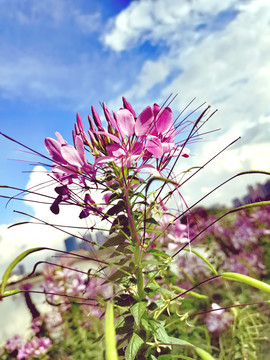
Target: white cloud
{"type": "Point", "coordinates": [228, 67]}
{"type": "Point", "coordinates": [157, 20]}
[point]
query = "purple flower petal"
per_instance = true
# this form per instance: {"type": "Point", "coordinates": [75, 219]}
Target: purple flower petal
{"type": "Point", "coordinates": [125, 121]}
{"type": "Point", "coordinates": [71, 155]}
{"type": "Point", "coordinates": [144, 121]}
{"type": "Point", "coordinates": [156, 109]}
{"type": "Point", "coordinates": [164, 120]}
{"type": "Point", "coordinates": [128, 106]}
{"type": "Point", "coordinates": [79, 122]}
{"type": "Point", "coordinates": [154, 146]}
{"type": "Point", "coordinates": [96, 117]}
{"type": "Point", "coordinates": [54, 149]}
{"type": "Point", "coordinates": [115, 150]}
{"type": "Point", "coordinates": [78, 142]}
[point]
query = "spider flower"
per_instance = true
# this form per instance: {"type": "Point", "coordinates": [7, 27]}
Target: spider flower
{"type": "Point", "coordinates": [137, 143]}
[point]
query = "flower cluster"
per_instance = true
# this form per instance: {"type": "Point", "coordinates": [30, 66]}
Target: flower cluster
{"type": "Point", "coordinates": [34, 348]}
{"type": "Point", "coordinates": [14, 343]}
{"type": "Point", "coordinates": [217, 320]}
{"type": "Point", "coordinates": [146, 142]}
{"type": "Point", "coordinates": [63, 284]}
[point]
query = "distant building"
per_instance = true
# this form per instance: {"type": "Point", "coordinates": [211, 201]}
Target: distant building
{"type": "Point", "coordinates": [86, 244]}
{"type": "Point", "coordinates": [74, 244]}
{"type": "Point", "coordinates": [71, 244]}
{"type": "Point", "coordinates": [19, 270]}
{"type": "Point", "coordinates": [100, 238]}
{"type": "Point", "coordinates": [257, 193]}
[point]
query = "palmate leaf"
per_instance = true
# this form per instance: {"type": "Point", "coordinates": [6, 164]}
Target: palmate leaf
{"type": "Point", "coordinates": [117, 208]}
{"type": "Point", "coordinates": [158, 253]}
{"type": "Point", "coordinates": [138, 310]}
{"type": "Point", "coordinates": [133, 347]}
{"type": "Point", "coordinates": [152, 221]}
{"type": "Point", "coordinates": [114, 240]}
{"type": "Point", "coordinates": [12, 266]}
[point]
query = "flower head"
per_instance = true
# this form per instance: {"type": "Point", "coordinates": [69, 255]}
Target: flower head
{"type": "Point", "coordinates": [34, 348]}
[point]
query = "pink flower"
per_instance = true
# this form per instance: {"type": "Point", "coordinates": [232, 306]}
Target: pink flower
{"type": "Point", "coordinates": [216, 321]}
{"type": "Point", "coordinates": [69, 161]}
{"type": "Point", "coordinates": [34, 348]}
{"type": "Point", "coordinates": [13, 343]}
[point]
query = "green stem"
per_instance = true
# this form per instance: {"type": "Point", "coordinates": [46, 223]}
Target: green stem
{"type": "Point", "coordinates": [139, 274]}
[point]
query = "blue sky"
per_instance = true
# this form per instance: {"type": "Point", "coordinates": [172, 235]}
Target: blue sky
{"type": "Point", "coordinates": [60, 57]}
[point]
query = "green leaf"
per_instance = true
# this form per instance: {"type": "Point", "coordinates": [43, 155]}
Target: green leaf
{"type": "Point", "coordinates": [133, 346]}
{"type": "Point", "coordinates": [145, 324]}
{"type": "Point", "coordinates": [151, 221]}
{"type": "Point", "coordinates": [159, 330]}
{"type": "Point", "coordinates": [151, 262]}
{"type": "Point", "coordinates": [158, 253]}
{"type": "Point", "coordinates": [111, 351]}
{"type": "Point", "coordinates": [204, 354]}
{"type": "Point", "coordinates": [114, 240]}
{"type": "Point", "coordinates": [116, 209]}
{"type": "Point", "coordinates": [118, 275]}
{"type": "Point", "coordinates": [12, 266]}
{"type": "Point", "coordinates": [138, 310]}
{"type": "Point", "coordinates": [176, 341]}
{"type": "Point", "coordinates": [247, 280]}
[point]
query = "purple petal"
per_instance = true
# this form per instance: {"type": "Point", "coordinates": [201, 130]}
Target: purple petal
{"type": "Point", "coordinates": [128, 106]}
{"type": "Point", "coordinates": [88, 199]}
{"type": "Point", "coordinates": [164, 121]}
{"type": "Point", "coordinates": [60, 139]}
{"type": "Point", "coordinates": [149, 168]}
{"type": "Point", "coordinates": [144, 121]}
{"type": "Point", "coordinates": [168, 147]}
{"type": "Point", "coordinates": [108, 116]}
{"type": "Point", "coordinates": [185, 152]}
{"type": "Point", "coordinates": [156, 109]}
{"type": "Point", "coordinates": [137, 148]}
{"type": "Point", "coordinates": [125, 121]}
{"type": "Point", "coordinates": [96, 117]}
{"type": "Point", "coordinates": [84, 213]}
{"type": "Point", "coordinates": [154, 146]}
{"type": "Point", "coordinates": [79, 122]}
{"type": "Point", "coordinates": [103, 159]}
{"type": "Point", "coordinates": [54, 149]}
{"type": "Point", "coordinates": [55, 205]}
{"type": "Point", "coordinates": [71, 155]}
{"type": "Point", "coordinates": [78, 142]}
{"type": "Point", "coordinates": [113, 137]}
{"type": "Point", "coordinates": [91, 124]}
{"type": "Point", "coordinates": [115, 150]}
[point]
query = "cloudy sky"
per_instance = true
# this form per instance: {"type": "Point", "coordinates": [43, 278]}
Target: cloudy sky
{"type": "Point", "coordinates": [58, 57]}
